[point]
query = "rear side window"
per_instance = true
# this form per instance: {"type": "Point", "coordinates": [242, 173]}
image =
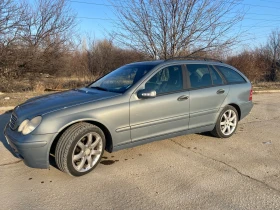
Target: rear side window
{"type": "Point", "coordinates": [216, 78]}
{"type": "Point", "coordinates": [231, 75]}
{"type": "Point", "coordinates": [199, 75]}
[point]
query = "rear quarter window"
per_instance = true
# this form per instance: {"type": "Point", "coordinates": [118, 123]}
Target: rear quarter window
{"type": "Point", "coordinates": [231, 75]}
{"type": "Point", "coordinates": [216, 78]}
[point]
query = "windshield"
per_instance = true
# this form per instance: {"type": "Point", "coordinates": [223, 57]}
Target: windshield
{"type": "Point", "coordinates": [122, 78]}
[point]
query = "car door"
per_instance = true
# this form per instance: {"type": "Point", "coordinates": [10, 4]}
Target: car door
{"type": "Point", "coordinates": [168, 112]}
{"type": "Point", "coordinates": [207, 93]}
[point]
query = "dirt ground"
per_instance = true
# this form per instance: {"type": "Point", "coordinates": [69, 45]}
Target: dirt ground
{"type": "Point", "coordinates": [188, 172]}
{"type": "Point", "coordinates": [13, 99]}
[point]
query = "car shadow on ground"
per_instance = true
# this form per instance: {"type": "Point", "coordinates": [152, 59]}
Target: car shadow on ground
{"type": "Point", "coordinates": [208, 133]}
{"type": "Point", "coordinates": [4, 119]}
{"type": "Point", "coordinates": [52, 162]}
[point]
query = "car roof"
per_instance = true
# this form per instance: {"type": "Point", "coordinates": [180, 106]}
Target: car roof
{"type": "Point", "coordinates": [190, 61]}
{"type": "Point", "coordinates": [180, 61]}
{"type": "Point", "coordinates": [153, 62]}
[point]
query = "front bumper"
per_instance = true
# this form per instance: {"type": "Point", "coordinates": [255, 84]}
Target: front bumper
{"type": "Point", "coordinates": [33, 149]}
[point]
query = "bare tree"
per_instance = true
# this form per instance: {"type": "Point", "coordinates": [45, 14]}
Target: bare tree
{"type": "Point", "coordinates": [11, 16]}
{"type": "Point", "coordinates": [46, 34]}
{"type": "Point", "coordinates": [273, 50]}
{"type": "Point", "coordinates": [103, 57]}
{"type": "Point", "coordinates": [167, 28]}
{"type": "Point", "coordinates": [11, 19]}
{"type": "Point", "coordinates": [49, 21]}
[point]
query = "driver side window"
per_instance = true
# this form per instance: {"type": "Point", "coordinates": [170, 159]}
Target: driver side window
{"type": "Point", "coordinates": [166, 80]}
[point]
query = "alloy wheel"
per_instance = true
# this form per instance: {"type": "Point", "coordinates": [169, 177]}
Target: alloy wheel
{"type": "Point", "coordinates": [87, 152]}
{"type": "Point", "coordinates": [228, 122]}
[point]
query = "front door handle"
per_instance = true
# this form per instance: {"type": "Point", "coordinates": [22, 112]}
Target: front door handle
{"type": "Point", "coordinates": [221, 91]}
{"type": "Point", "coordinates": [182, 98]}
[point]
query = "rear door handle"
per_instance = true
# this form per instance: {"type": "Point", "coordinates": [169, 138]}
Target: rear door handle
{"type": "Point", "coordinates": [221, 91]}
{"type": "Point", "coordinates": [182, 98]}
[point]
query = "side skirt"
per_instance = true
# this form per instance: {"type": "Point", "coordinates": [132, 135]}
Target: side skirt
{"type": "Point", "coordinates": [161, 137]}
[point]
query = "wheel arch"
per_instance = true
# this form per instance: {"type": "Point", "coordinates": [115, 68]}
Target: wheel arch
{"type": "Point", "coordinates": [108, 136]}
{"type": "Point", "coordinates": [237, 109]}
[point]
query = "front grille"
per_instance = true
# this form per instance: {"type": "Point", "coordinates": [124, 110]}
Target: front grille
{"type": "Point", "coordinates": [13, 121]}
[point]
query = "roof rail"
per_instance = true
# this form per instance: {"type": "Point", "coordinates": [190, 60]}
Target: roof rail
{"type": "Point", "coordinates": [193, 58]}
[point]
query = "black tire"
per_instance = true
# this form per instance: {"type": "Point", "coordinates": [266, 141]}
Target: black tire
{"type": "Point", "coordinates": [68, 141]}
{"type": "Point", "coordinates": [217, 131]}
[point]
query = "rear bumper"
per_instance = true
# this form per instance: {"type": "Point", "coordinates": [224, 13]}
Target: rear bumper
{"type": "Point", "coordinates": [245, 109]}
{"type": "Point", "coordinates": [33, 149]}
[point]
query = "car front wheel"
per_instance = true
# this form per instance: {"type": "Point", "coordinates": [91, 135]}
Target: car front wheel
{"type": "Point", "coordinates": [80, 149]}
{"type": "Point", "coordinates": [227, 123]}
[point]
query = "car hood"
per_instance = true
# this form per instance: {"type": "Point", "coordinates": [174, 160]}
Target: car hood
{"type": "Point", "coordinates": [54, 102]}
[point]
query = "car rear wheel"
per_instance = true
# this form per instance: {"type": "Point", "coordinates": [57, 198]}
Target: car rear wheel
{"type": "Point", "coordinates": [227, 123]}
{"type": "Point", "coordinates": [80, 149]}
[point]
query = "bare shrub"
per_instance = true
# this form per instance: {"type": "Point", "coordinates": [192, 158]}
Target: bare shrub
{"type": "Point", "coordinates": [103, 56]}
{"type": "Point", "coordinates": [38, 86]}
{"type": "Point", "coordinates": [254, 64]}
{"type": "Point", "coordinates": [272, 50]}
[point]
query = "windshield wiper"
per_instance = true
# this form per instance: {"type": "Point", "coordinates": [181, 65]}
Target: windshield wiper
{"type": "Point", "coordinates": [99, 88]}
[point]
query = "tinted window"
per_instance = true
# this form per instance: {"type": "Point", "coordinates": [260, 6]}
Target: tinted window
{"type": "Point", "coordinates": [216, 78]}
{"type": "Point", "coordinates": [231, 75]}
{"type": "Point", "coordinates": [199, 75]}
{"type": "Point", "coordinates": [166, 80]}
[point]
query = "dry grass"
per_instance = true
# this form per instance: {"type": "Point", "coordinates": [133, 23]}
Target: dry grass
{"type": "Point", "coordinates": [266, 86]}
{"type": "Point", "coordinates": [18, 91]}
{"type": "Point", "coordinates": [31, 89]}
{"type": "Point", "coordinates": [18, 98]}
{"type": "Point", "coordinates": [38, 84]}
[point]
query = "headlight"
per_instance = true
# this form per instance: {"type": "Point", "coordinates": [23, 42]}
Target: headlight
{"type": "Point", "coordinates": [27, 126]}
{"type": "Point", "coordinates": [22, 125]}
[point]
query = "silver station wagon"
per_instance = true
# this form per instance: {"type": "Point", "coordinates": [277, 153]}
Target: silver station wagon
{"type": "Point", "coordinates": [135, 104]}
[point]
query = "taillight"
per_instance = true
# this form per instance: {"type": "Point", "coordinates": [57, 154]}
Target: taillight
{"type": "Point", "coordinates": [251, 95]}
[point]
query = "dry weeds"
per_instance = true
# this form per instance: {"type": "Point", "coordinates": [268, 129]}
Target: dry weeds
{"type": "Point", "coordinates": [16, 98]}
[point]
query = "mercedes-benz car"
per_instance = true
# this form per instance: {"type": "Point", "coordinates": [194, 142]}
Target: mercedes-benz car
{"type": "Point", "coordinates": [135, 104]}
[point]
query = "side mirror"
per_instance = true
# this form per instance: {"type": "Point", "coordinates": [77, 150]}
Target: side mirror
{"type": "Point", "coordinates": [144, 94]}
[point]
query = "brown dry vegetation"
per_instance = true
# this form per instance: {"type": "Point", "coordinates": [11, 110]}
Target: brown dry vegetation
{"type": "Point", "coordinates": [20, 97]}
{"type": "Point", "coordinates": [37, 51]}
{"type": "Point", "coordinates": [14, 99]}
{"type": "Point", "coordinates": [266, 86]}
